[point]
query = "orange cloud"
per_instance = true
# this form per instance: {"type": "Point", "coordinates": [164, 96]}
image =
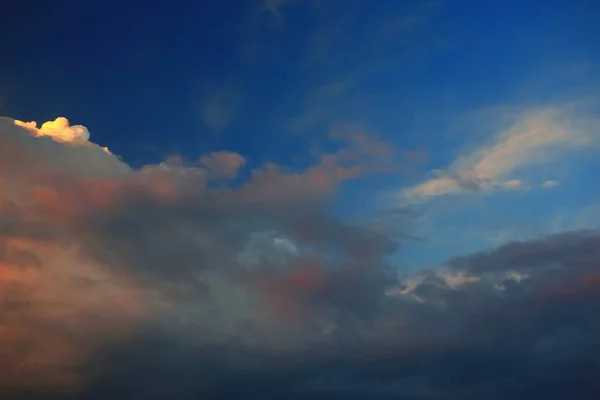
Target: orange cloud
{"type": "Point", "coordinates": [53, 317]}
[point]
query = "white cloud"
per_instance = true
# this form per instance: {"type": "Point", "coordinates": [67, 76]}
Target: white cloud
{"type": "Point", "coordinates": [456, 279]}
{"type": "Point", "coordinates": [537, 137]}
{"type": "Point", "coordinates": [510, 276]}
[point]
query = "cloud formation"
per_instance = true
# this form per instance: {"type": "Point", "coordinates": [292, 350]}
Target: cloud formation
{"type": "Point", "coordinates": [536, 137]}
{"type": "Point", "coordinates": [150, 283]}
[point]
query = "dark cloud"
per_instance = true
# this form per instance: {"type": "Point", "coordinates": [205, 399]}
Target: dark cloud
{"type": "Point", "coordinates": [574, 249]}
{"type": "Point", "coordinates": [151, 283]}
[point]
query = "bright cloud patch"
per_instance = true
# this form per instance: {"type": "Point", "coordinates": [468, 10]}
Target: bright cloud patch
{"type": "Point", "coordinates": [59, 130]}
{"type": "Point", "coordinates": [537, 137]}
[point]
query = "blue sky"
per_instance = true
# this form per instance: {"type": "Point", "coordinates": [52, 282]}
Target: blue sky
{"type": "Point", "coordinates": [271, 80]}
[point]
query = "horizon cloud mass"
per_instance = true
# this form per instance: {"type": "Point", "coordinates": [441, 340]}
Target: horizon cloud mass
{"type": "Point", "coordinates": [126, 283]}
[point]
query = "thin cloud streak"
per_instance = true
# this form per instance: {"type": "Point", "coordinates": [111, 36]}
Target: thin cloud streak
{"type": "Point", "coordinates": [537, 137]}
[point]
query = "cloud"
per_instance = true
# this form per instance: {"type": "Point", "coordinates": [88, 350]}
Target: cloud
{"type": "Point", "coordinates": [537, 137]}
{"type": "Point", "coordinates": [79, 223]}
{"type": "Point", "coordinates": [501, 324]}
{"type": "Point", "coordinates": [550, 184]}
{"type": "Point", "coordinates": [223, 164]}
{"type": "Point", "coordinates": [59, 130]}
{"type": "Point", "coordinates": [148, 283]}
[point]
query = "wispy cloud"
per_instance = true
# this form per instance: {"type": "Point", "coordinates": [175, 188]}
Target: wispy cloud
{"type": "Point", "coordinates": [537, 137]}
{"type": "Point", "coordinates": [550, 184]}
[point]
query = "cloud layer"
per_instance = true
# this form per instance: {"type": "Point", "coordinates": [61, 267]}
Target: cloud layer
{"type": "Point", "coordinates": [152, 283]}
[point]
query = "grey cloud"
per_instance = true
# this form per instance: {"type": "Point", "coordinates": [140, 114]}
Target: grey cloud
{"type": "Point", "coordinates": [137, 291]}
{"type": "Point", "coordinates": [569, 249]}
{"type": "Point", "coordinates": [479, 345]}
{"type": "Point", "coordinates": [171, 243]}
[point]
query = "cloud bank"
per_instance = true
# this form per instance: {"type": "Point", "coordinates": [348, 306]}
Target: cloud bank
{"type": "Point", "coordinates": [153, 283]}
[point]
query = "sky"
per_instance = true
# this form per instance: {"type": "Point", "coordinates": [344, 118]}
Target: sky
{"type": "Point", "coordinates": [300, 199]}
